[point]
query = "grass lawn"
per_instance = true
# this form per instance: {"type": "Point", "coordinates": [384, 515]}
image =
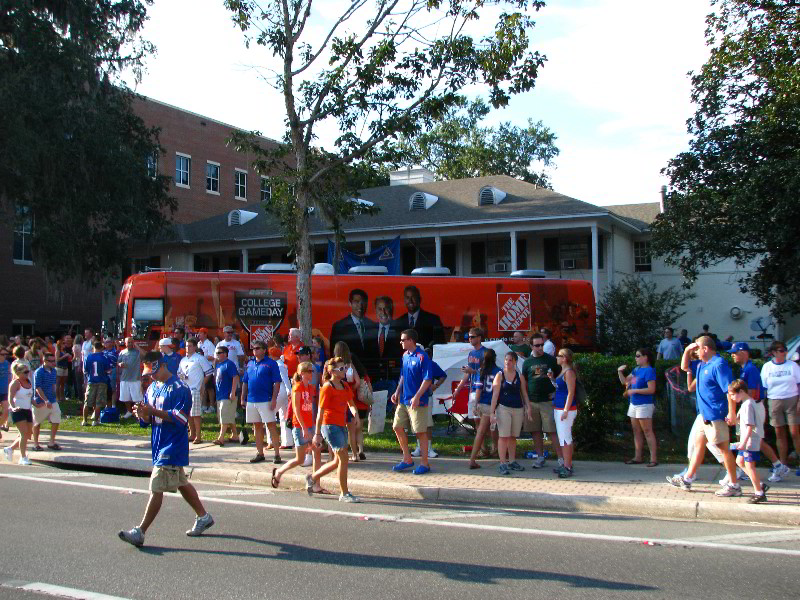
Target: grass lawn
{"type": "Point", "coordinates": [670, 448]}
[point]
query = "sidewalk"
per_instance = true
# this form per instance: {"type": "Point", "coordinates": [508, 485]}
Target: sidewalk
{"type": "Point", "coordinates": [597, 487]}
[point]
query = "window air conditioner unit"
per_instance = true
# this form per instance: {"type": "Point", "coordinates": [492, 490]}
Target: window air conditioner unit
{"type": "Point", "coordinates": [500, 267]}
{"type": "Point", "coordinates": [568, 263]}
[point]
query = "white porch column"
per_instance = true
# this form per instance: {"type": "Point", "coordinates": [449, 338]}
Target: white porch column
{"type": "Point", "coordinates": [513, 250]}
{"type": "Point", "coordinates": [367, 246]}
{"type": "Point", "coordinates": [438, 241]}
{"type": "Point", "coordinates": [245, 260]}
{"type": "Point", "coordinates": [594, 259]}
{"type": "Point", "coordinates": [610, 263]}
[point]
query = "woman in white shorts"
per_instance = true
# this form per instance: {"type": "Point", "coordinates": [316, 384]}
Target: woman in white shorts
{"type": "Point", "coordinates": [640, 388]}
{"type": "Point", "coordinates": [781, 377]}
{"type": "Point", "coordinates": [565, 409]}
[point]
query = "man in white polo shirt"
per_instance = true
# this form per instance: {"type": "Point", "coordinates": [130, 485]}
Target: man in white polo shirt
{"type": "Point", "coordinates": [194, 370]}
{"type": "Point", "coordinates": [235, 351]}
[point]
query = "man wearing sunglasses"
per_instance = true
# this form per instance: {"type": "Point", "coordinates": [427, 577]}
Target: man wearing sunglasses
{"type": "Point", "coordinates": [45, 401]}
{"type": "Point", "coordinates": [261, 383]}
{"type": "Point", "coordinates": [781, 378]}
{"type": "Point", "coordinates": [540, 393]}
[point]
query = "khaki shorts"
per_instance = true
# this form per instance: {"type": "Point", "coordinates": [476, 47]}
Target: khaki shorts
{"type": "Point", "coordinates": [717, 432]}
{"type": "Point", "coordinates": [95, 394]}
{"type": "Point", "coordinates": [541, 418]}
{"type": "Point", "coordinates": [430, 412]}
{"type": "Point", "coordinates": [42, 414]}
{"type": "Point", "coordinates": [415, 419]}
{"type": "Point", "coordinates": [61, 372]}
{"type": "Point", "coordinates": [227, 412]}
{"type": "Point", "coordinates": [483, 410]}
{"type": "Point", "coordinates": [167, 479]}
{"type": "Point", "coordinates": [509, 421]}
{"type": "Point", "coordinates": [783, 411]}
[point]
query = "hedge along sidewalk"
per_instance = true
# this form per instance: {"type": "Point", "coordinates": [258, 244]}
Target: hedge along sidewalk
{"type": "Point", "coordinates": [597, 487]}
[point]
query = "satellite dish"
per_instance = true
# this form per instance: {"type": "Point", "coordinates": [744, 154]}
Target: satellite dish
{"type": "Point", "coordinates": [736, 313]}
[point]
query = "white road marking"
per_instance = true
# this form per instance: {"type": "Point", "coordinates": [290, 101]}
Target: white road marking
{"type": "Point", "coordinates": [67, 474]}
{"type": "Point", "coordinates": [757, 537]}
{"type": "Point", "coordinates": [418, 521]}
{"type": "Point", "coordinates": [57, 590]}
{"type": "Point", "coordinates": [214, 493]}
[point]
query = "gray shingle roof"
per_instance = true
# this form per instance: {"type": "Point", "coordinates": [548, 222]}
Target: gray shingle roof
{"type": "Point", "coordinates": [457, 204]}
{"type": "Point", "coordinates": [639, 215]}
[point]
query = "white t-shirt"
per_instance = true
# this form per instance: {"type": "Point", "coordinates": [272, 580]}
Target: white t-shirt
{"type": "Point", "coordinates": [550, 348]}
{"type": "Point", "coordinates": [235, 350]}
{"type": "Point", "coordinates": [207, 346]}
{"type": "Point", "coordinates": [191, 372]}
{"type": "Point", "coordinates": [86, 348]}
{"type": "Point", "coordinates": [752, 413]}
{"type": "Point", "coordinates": [286, 388]}
{"type": "Point", "coordinates": [780, 380]}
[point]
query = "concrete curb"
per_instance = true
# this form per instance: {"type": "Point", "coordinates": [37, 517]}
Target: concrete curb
{"type": "Point", "coordinates": [609, 505]}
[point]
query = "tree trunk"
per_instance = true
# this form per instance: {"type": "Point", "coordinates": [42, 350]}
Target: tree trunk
{"type": "Point", "coordinates": [304, 258]}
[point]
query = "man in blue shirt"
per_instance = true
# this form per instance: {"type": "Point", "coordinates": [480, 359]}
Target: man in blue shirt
{"type": "Point", "coordinates": [713, 377]}
{"type": "Point", "coordinates": [261, 383]}
{"type": "Point", "coordinates": [669, 348]}
{"type": "Point", "coordinates": [472, 373]}
{"type": "Point", "coordinates": [411, 398]}
{"type": "Point", "coordinates": [95, 368]}
{"type": "Point", "coordinates": [226, 379]}
{"type": "Point", "coordinates": [439, 377]}
{"type": "Point", "coordinates": [45, 401]}
{"type": "Point", "coordinates": [166, 409]}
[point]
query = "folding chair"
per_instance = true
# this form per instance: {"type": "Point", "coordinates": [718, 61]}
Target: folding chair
{"type": "Point", "coordinates": [458, 409]}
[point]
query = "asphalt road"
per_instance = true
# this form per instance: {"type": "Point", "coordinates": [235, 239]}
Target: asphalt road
{"type": "Point", "coordinates": [60, 529]}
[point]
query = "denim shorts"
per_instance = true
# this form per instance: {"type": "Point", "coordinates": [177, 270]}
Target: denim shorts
{"type": "Point", "coordinates": [335, 435]}
{"type": "Point", "coordinates": [750, 455]}
{"type": "Point", "coordinates": [297, 434]}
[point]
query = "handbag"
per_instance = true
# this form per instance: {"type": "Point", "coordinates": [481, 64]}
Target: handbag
{"type": "Point", "coordinates": [365, 392]}
{"type": "Point", "coordinates": [580, 392]}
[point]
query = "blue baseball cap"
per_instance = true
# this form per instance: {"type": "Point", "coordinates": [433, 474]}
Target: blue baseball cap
{"type": "Point", "coordinates": [739, 346]}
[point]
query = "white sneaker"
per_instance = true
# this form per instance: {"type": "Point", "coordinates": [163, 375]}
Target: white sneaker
{"type": "Point", "coordinates": [560, 462]}
{"type": "Point", "coordinates": [127, 415]}
{"type": "Point", "coordinates": [309, 461]}
{"type": "Point", "coordinates": [725, 480]}
{"type": "Point", "coordinates": [200, 525]}
{"type": "Point", "coordinates": [538, 463]}
{"type": "Point", "coordinates": [24, 461]}
{"type": "Point", "coordinates": [9, 453]}
{"type": "Point", "coordinates": [416, 452]}
{"type": "Point", "coordinates": [432, 453]}
{"type": "Point", "coordinates": [95, 423]}
{"type": "Point", "coordinates": [348, 497]}
{"type": "Point", "coordinates": [132, 536]}
{"type": "Point", "coordinates": [779, 473]}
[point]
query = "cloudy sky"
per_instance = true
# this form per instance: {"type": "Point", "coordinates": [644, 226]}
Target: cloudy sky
{"type": "Point", "coordinates": [614, 89]}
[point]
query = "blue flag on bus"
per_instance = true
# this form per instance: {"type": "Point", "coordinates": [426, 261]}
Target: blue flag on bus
{"type": "Point", "coordinates": [387, 256]}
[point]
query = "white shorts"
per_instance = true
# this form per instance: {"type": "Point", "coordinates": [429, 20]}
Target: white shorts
{"type": "Point", "coordinates": [641, 411]}
{"type": "Point", "coordinates": [259, 412]}
{"type": "Point", "coordinates": [564, 428]}
{"type": "Point", "coordinates": [472, 405]}
{"type": "Point", "coordinates": [697, 427]}
{"type": "Point", "coordinates": [42, 414]}
{"type": "Point", "coordinates": [197, 404]}
{"type": "Point", "coordinates": [130, 391]}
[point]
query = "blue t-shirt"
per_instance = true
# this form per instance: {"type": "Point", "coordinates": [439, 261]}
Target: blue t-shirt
{"type": "Point", "coordinates": [172, 361]}
{"type": "Point", "coordinates": [112, 356]}
{"type": "Point", "coordinates": [475, 360]}
{"type": "Point", "coordinates": [3, 377]}
{"type": "Point", "coordinates": [45, 379]}
{"type": "Point", "coordinates": [641, 377]}
{"type": "Point", "coordinates": [438, 372]}
{"type": "Point", "coordinates": [417, 367]}
{"type": "Point", "coordinates": [488, 381]}
{"type": "Point", "coordinates": [260, 377]}
{"type": "Point", "coordinates": [510, 393]}
{"type": "Point", "coordinates": [223, 378]}
{"type": "Point", "coordinates": [562, 393]}
{"type": "Point", "coordinates": [713, 379]}
{"type": "Point", "coordinates": [170, 439]}
{"type": "Point", "coordinates": [670, 349]}
{"type": "Point", "coordinates": [752, 376]}
{"type": "Point", "coordinates": [96, 367]}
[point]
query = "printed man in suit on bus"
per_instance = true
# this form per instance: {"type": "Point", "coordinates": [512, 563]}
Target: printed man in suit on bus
{"type": "Point", "coordinates": [427, 325]}
{"type": "Point", "coordinates": [355, 329]}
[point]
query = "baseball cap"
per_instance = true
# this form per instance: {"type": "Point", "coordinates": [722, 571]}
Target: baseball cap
{"type": "Point", "coordinates": [739, 346]}
{"type": "Point", "coordinates": [165, 342]}
{"type": "Point", "coordinates": [228, 328]}
{"type": "Point", "coordinates": [304, 350]}
{"type": "Point", "coordinates": [202, 330]}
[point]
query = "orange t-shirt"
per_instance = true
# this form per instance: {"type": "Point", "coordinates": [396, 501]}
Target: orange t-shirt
{"type": "Point", "coordinates": [303, 396]}
{"type": "Point", "coordinates": [290, 359]}
{"type": "Point", "coordinates": [333, 404]}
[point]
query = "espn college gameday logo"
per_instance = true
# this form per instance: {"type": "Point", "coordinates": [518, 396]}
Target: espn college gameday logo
{"type": "Point", "coordinates": [261, 312]}
{"type": "Point", "coordinates": [513, 311]}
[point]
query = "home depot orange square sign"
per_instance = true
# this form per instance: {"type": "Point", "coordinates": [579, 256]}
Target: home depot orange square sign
{"type": "Point", "coordinates": [513, 311]}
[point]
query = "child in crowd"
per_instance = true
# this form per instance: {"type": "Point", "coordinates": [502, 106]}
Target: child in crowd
{"type": "Point", "coordinates": [751, 417]}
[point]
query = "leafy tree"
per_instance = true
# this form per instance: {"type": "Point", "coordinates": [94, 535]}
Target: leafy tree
{"type": "Point", "coordinates": [458, 147]}
{"type": "Point", "coordinates": [632, 314]}
{"type": "Point", "coordinates": [734, 190]}
{"type": "Point", "coordinates": [73, 155]}
{"type": "Point", "coordinates": [384, 69]}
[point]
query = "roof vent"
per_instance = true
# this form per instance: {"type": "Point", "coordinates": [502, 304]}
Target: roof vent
{"type": "Point", "coordinates": [532, 273]}
{"type": "Point", "coordinates": [421, 201]}
{"type": "Point", "coordinates": [431, 271]}
{"type": "Point", "coordinates": [240, 217]}
{"type": "Point", "coordinates": [368, 270]}
{"type": "Point", "coordinates": [490, 195]}
{"type": "Point", "coordinates": [276, 268]}
{"type": "Point", "coordinates": [322, 269]}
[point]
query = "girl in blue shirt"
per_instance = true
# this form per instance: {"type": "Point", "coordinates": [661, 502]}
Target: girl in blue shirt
{"type": "Point", "coordinates": [640, 388]}
{"type": "Point", "coordinates": [486, 374]}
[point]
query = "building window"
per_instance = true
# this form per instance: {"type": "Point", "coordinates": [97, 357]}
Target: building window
{"type": "Point", "coordinates": [152, 165]}
{"type": "Point", "coordinates": [183, 165]}
{"type": "Point", "coordinates": [23, 234]}
{"type": "Point", "coordinates": [571, 253]}
{"type": "Point", "coordinates": [22, 327]}
{"type": "Point", "coordinates": [642, 261]}
{"type": "Point", "coordinates": [266, 189]}
{"type": "Point", "coordinates": [212, 177]}
{"type": "Point", "coordinates": [477, 258]}
{"type": "Point", "coordinates": [240, 184]}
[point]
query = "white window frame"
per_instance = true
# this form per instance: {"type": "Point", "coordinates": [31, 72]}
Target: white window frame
{"type": "Point", "coordinates": [266, 194]}
{"type": "Point", "coordinates": [640, 254]}
{"type": "Point", "coordinates": [20, 229]}
{"type": "Point", "coordinates": [236, 185]}
{"type": "Point", "coordinates": [187, 185]}
{"type": "Point", "coordinates": [23, 322]}
{"type": "Point", "coordinates": [210, 163]}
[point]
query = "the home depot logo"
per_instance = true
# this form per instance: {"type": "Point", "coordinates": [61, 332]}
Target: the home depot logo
{"type": "Point", "coordinates": [513, 311]}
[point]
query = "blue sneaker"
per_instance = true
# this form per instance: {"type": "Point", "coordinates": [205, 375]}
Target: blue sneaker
{"type": "Point", "coordinates": [402, 466]}
{"type": "Point", "coordinates": [421, 470]}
